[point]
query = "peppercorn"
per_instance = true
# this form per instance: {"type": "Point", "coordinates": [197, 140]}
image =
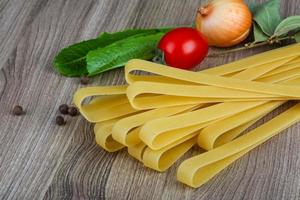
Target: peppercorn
{"type": "Point", "coordinates": [60, 120]}
{"type": "Point", "coordinates": [63, 109]}
{"type": "Point", "coordinates": [18, 110]}
{"type": "Point", "coordinates": [73, 111]}
{"type": "Point", "coordinates": [84, 80]}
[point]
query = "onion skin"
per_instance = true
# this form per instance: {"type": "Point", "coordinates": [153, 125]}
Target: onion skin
{"type": "Point", "coordinates": [224, 23]}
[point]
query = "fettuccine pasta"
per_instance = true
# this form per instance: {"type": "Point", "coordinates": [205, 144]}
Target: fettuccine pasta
{"type": "Point", "coordinates": [161, 116]}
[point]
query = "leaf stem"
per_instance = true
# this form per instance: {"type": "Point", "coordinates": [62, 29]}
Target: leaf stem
{"type": "Point", "coordinates": [281, 39]}
{"type": "Point", "coordinates": [247, 46]}
{"type": "Point", "coordinates": [252, 45]}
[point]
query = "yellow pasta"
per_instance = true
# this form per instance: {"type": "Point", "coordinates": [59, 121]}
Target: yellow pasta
{"type": "Point", "coordinates": [154, 132]}
{"type": "Point", "coordinates": [104, 138]}
{"type": "Point", "coordinates": [261, 59]}
{"type": "Point", "coordinates": [285, 91]}
{"type": "Point", "coordinates": [197, 170]}
{"type": "Point", "coordinates": [290, 74]}
{"type": "Point", "coordinates": [166, 100]}
{"type": "Point", "coordinates": [230, 135]}
{"type": "Point", "coordinates": [159, 133]}
{"type": "Point", "coordinates": [283, 68]}
{"type": "Point", "coordinates": [137, 151]}
{"type": "Point", "coordinates": [162, 159]}
{"type": "Point", "coordinates": [114, 105]}
{"type": "Point", "coordinates": [132, 137]}
{"type": "Point", "coordinates": [213, 133]}
{"type": "Point", "coordinates": [159, 117]}
{"type": "Point", "coordinates": [126, 126]}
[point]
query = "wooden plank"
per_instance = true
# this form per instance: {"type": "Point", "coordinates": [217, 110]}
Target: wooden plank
{"type": "Point", "coordinates": [37, 157]}
{"type": "Point", "coordinates": [32, 146]}
{"type": "Point", "coordinates": [15, 16]}
{"type": "Point", "coordinates": [127, 179]}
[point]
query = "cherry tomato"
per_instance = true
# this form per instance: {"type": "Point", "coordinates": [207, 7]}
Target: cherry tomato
{"type": "Point", "coordinates": [183, 48]}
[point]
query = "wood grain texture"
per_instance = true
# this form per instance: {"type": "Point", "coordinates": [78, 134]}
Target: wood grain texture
{"type": "Point", "coordinates": [39, 160]}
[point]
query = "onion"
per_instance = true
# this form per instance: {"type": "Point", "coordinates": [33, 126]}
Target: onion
{"type": "Point", "coordinates": [224, 23]}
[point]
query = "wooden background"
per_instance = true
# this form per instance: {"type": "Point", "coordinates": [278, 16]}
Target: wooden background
{"type": "Point", "coordinates": [39, 160]}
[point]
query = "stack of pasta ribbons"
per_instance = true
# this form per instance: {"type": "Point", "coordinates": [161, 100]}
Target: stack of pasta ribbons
{"type": "Point", "coordinates": [160, 116]}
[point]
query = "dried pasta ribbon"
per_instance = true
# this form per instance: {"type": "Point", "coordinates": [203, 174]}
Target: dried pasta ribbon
{"type": "Point", "coordinates": [159, 117]}
{"type": "Point", "coordinates": [137, 151]}
{"type": "Point", "coordinates": [104, 135]}
{"type": "Point", "coordinates": [212, 134]}
{"type": "Point", "coordinates": [159, 133]}
{"type": "Point", "coordinates": [124, 130]}
{"type": "Point", "coordinates": [234, 133]}
{"type": "Point", "coordinates": [290, 74]}
{"type": "Point", "coordinates": [202, 92]}
{"type": "Point", "coordinates": [199, 169]}
{"type": "Point", "coordinates": [167, 100]}
{"type": "Point", "coordinates": [111, 103]}
{"type": "Point", "coordinates": [223, 82]}
{"type": "Point", "coordinates": [160, 160]}
{"type": "Point", "coordinates": [173, 92]}
{"type": "Point", "coordinates": [293, 64]}
{"type": "Point", "coordinates": [104, 138]}
{"type": "Point", "coordinates": [215, 134]}
{"type": "Point", "coordinates": [132, 136]}
{"type": "Point", "coordinates": [237, 66]}
{"type": "Point", "coordinates": [114, 96]}
{"type": "Point", "coordinates": [89, 111]}
{"type": "Point", "coordinates": [163, 159]}
{"type": "Point", "coordinates": [153, 131]}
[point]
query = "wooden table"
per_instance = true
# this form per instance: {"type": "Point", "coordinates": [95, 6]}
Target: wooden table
{"type": "Point", "coordinates": [40, 160]}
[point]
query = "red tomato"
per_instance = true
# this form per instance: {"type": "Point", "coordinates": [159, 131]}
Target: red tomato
{"type": "Point", "coordinates": [183, 48]}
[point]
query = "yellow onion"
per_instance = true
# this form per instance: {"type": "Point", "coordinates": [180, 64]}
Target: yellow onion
{"type": "Point", "coordinates": [224, 23]}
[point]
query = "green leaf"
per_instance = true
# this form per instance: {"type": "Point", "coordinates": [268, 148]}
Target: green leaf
{"type": "Point", "coordinates": [287, 25]}
{"type": "Point", "coordinates": [119, 53]}
{"type": "Point", "coordinates": [297, 37]}
{"type": "Point", "coordinates": [259, 35]}
{"type": "Point", "coordinates": [71, 61]}
{"type": "Point", "coordinates": [112, 37]}
{"type": "Point", "coordinates": [267, 16]}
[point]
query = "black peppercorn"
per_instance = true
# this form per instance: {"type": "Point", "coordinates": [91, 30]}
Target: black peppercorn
{"type": "Point", "coordinates": [84, 80]}
{"type": "Point", "coordinates": [63, 109]}
{"type": "Point", "coordinates": [73, 111]}
{"type": "Point", "coordinates": [18, 110]}
{"type": "Point", "coordinates": [60, 120]}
